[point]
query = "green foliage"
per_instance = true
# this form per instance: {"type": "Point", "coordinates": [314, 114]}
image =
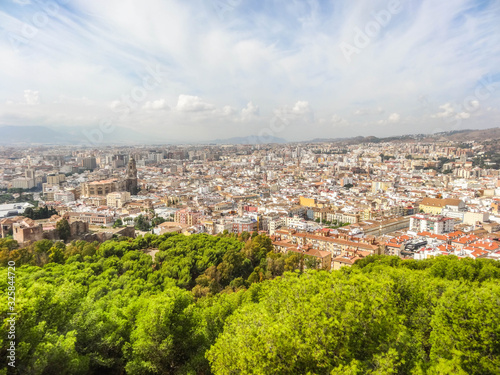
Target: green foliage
{"type": "Point", "coordinates": [331, 322]}
{"type": "Point", "coordinates": [465, 331]}
{"type": "Point", "coordinates": [39, 213]}
{"type": "Point", "coordinates": [163, 335]}
{"type": "Point", "coordinates": [63, 229]}
{"type": "Point", "coordinates": [142, 223]}
{"type": "Point", "coordinates": [118, 223]}
{"type": "Point", "coordinates": [157, 221]}
{"type": "Point", "coordinates": [10, 198]}
{"type": "Point", "coordinates": [228, 305]}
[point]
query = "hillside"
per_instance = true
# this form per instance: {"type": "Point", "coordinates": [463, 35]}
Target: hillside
{"type": "Point", "coordinates": [22, 135]}
{"type": "Point", "coordinates": [250, 140]}
{"type": "Point", "coordinates": [455, 136]}
{"type": "Point", "coordinates": [475, 135]}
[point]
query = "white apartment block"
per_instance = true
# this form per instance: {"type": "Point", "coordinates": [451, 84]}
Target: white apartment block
{"type": "Point", "coordinates": [435, 224]}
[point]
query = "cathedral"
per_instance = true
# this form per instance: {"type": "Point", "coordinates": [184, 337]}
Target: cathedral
{"type": "Point", "coordinates": [104, 187]}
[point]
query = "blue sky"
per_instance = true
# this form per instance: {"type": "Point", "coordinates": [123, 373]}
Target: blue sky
{"type": "Point", "coordinates": [199, 70]}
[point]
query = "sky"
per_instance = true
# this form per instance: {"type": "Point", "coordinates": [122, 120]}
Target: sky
{"type": "Point", "coordinates": [190, 71]}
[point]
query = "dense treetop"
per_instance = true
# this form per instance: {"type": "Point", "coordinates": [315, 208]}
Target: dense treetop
{"type": "Point", "coordinates": [230, 305]}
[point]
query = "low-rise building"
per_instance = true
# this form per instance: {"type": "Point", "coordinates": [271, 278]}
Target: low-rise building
{"type": "Point", "coordinates": [117, 199]}
{"type": "Point", "coordinates": [187, 217]}
{"type": "Point", "coordinates": [244, 224]}
{"type": "Point", "coordinates": [435, 205]}
{"type": "Point", "coordinates": [91, 218]}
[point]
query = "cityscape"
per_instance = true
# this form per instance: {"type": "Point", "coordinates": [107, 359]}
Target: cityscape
{"type": "Point", "coordinates": [335, 201]}
{"type": "Point", "coordinates": [249, 187]}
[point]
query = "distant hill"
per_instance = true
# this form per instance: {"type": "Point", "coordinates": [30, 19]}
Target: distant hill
{"type": "Point", "coordinates": [360, 139]}
{"type": "Point", "coordinates": [33, 134]}
{"type": "Point", "coordinates": [21, 135]}
{"type": "Point", "coordinates": [69, 135]}
{"type": "Point", "coordinates": [472, 135]}
{"type": "Point", "coordinates": [93, 136]}
{"type": "Point", "coordinates": [250, 140]}
{"type": "Point", "coordinates": [455, 136]}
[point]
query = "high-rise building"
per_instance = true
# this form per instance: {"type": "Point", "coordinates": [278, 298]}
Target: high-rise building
{"type": "Point", "coordinates": [30, 173]}
{"type": "Point", "coordinates": [89, 163]}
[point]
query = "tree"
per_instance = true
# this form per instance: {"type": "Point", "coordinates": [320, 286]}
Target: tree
{"type": "Point", "coordinates": [163, 336]}
{"type": "Point", "coordinates": [63, 229]}
{"type": "Point", "coordinates": [39, 213]}
{"type": "Point", "coordinates": [141, 223]}
{"type": "Point", "coordinates": [28, 212]}
{"type": "Point", "coordinates": [56, 255]}
{"type": "Point", "coordinates": [118, 223]}
{"type": "Point", "coordinates": [157, 221]}
{"type": "Point", "coordinates": [292, 332]}
{"type": "Point", "coordinates": [466, 331]}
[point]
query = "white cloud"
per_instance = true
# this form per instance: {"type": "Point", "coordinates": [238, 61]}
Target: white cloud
{"type": "Point", "coordinates": [474, 103]}
{"type": "Point", "coordinates": [338, 120]}
{"type": "Point", "coordinates": [188, 103]}
{"type": "Point", "coordinates": [368, 111]}
{"type": "Point", "coordinates": [462, 115]}
{"type": "Point", "coordinates": [301, 108]}
{"type": "Point", "coordinates": [227, 110]}
{"type": "Point", "coordinates": [447, 110]}
{"type": "Point", "coordinates": [250, 111]}
{"type": "Point", "coordinates": [31, 97]}
{"type": "Point", "coordinates": [115, 104]}
{"type": "Point", "coordinates": [450, 111]}
{"type": "Point", "coordinates": [156, 105]}
{"type": "Point", "coordinates": [394, 117]}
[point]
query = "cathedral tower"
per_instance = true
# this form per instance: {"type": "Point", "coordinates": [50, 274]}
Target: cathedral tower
{"type": "Point", "coordinates": [131, 185]}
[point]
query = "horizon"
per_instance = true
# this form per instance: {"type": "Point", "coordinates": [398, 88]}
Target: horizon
{"type": "Point", "coordinates": [250, 140]}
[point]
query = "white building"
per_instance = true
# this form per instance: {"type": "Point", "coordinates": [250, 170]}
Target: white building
{"type": "Point", "coordinates": [472, 217]}
{"type": "Point", "coordinates": [296, 223]}
{"type": "Point", "coordinates": [23, 183]}
{"type": "Point", "coordinates": [435, 224]}
{"type": "Point", "coordinates": [117, 199]}
{"type": "Point", "coordinates": [13, 209]}
{"type": "Point", "coordinates": [221, 227]}
{"type": "Point", "coordinates": [275, 224]}
{"type": "Point", "coordinates": [64, 196]}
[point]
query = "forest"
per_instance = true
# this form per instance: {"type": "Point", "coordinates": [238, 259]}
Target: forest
{"type": "Point", "coordinates": [228, 304]}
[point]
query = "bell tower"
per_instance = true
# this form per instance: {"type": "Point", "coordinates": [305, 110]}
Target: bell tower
{"type": "Point", "coordinates": [132, 176]}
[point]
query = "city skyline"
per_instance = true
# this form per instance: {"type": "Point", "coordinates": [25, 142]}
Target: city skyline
{"type": "Point", "coordinates": [294, 70]}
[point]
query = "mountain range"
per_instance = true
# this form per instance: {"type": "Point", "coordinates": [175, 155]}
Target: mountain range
{"type": "Point", "coordinates": [32, 135]}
